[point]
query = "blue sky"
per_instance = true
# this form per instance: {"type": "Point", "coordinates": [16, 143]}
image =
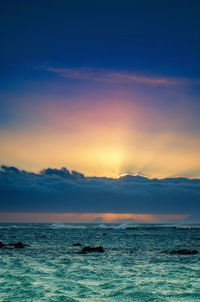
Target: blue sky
{"type": "Point", "coordinates": [134, 35]}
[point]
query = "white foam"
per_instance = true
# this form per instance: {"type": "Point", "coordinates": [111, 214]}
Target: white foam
{"type": "Point", "coordinates": [121, 226]}
{"type": "Point", "coordinates": [104, 226]}
{"type": "Point", "coordinates": [66, 226]}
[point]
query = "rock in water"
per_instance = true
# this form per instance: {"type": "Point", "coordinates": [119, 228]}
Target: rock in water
{"type": "Point", "coordinates": [89, 249]}
{"type": "Point", "coordinates": [1, 245]}
{"type": "Point", "coordinates": [18, 245]}
{"type": "Point", "coordinates": [182, 252]}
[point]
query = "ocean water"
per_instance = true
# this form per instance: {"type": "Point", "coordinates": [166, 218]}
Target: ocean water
{"type": "Point", "coordinates": [133, 267]}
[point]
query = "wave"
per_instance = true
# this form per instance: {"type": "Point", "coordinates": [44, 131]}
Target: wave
{"type": "Point", "coordinates": [117, 227]}
{"type": "Point", "coordinates": [9, 227]}
{"type": "Point", "coordinates": [66, 226]}
{"type": "Point", "coordinates": [104, 226]}
{"type": "Point", "coordinates": [124, 226]}
{"type": "Point", "coordinates": [181, 226]}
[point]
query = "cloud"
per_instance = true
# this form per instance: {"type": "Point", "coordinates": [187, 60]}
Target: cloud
{"type": "Point", "coordinates": [111, 76]}
{"type": "Point", "coordinates": [63, 172]}
{"type": "Point", "coordinates": [10, 169]}
{"type": "Point", "coordinates": [62, 191]}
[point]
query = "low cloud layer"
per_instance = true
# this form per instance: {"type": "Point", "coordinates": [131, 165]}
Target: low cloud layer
{"type": "Point", "coordinates": [62, 191]}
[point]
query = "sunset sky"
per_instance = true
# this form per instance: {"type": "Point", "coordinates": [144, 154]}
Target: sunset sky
{"type": "Point", "coordinates": [101, 87]}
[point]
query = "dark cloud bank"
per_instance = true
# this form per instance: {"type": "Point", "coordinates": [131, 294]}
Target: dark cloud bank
{"type": "Point", "coordinates": [59, 190]}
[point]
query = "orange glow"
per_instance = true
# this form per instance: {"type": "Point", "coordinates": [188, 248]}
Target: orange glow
{"type": "Point", "coordinates": [103, 138]}
{"type": "Point", "coordinates": [89, 217]}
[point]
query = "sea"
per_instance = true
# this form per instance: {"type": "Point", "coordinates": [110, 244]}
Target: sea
{"type": "Point", "coordinates": [136, 265]}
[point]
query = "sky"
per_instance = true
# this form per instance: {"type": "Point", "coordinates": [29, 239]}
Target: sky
{"type": "Point", "coordinates": [104, 88]}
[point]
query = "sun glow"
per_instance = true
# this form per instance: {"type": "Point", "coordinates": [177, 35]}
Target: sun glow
{"type": "Point", "coordinates": [121, 175]}
{"type": "Point", "coordinates": [108, 137]}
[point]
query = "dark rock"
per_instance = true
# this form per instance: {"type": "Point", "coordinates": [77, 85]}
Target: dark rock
{"type": "Point", "coordinates": [10, 244]}
{"type": "Point", "coordinates": [2, 245]}
{"type": "Point", "coordinates": [89, 249]}
{"type": "Point", "coordinates": [185, 229]}
{"type": "Point", "coordinates": [77, 244]}
{"type": "Point", "coordinates": [104, 234]}
{"type": "Point", "coordinates": [18, 245]}
{"type": "Point", "coordinates": [182, 252]}
{"type": "Point", "coordinates": [130, 228]}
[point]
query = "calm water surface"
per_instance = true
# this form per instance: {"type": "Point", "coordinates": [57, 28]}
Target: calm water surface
{"type": "Point", "coordinates": [133, 267]}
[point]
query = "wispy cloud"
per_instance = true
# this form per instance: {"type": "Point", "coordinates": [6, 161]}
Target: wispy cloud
{"type": "Point", "coordinates": [111, 76]}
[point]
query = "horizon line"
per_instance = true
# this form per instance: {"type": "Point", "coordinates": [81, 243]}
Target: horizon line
{"type": "Point", "coordinates": [85, 217]}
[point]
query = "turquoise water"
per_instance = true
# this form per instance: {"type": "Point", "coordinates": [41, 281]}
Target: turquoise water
{"type": "Point", "coordinates": [51, 270]}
